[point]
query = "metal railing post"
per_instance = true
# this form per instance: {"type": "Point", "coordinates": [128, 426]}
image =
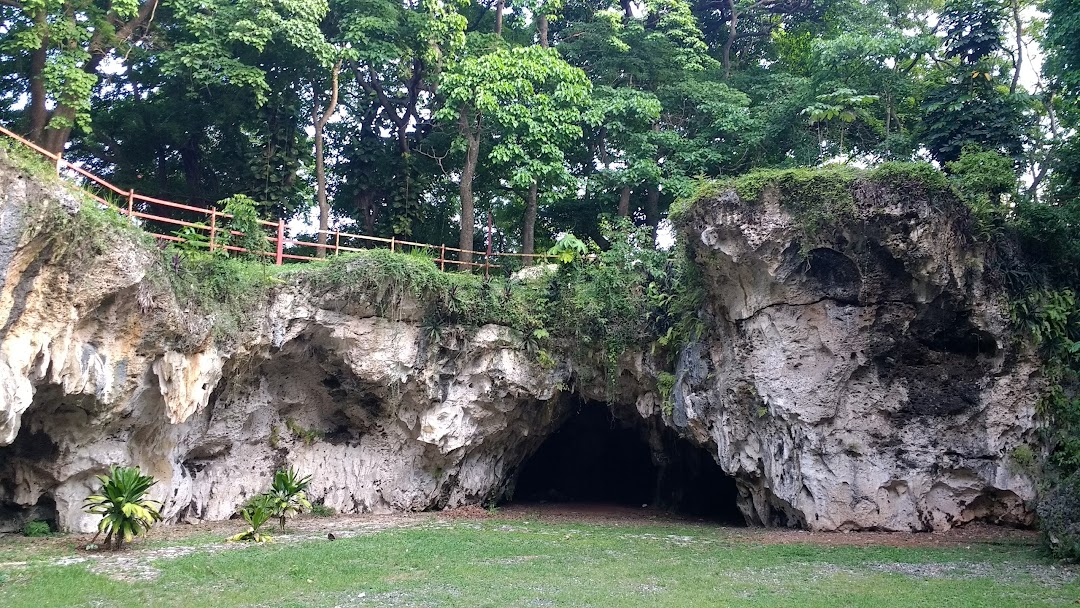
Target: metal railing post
{"type": "Point", "coordinates": [213, 228]}
{"type": "Point", "coordinates": [280, 241]}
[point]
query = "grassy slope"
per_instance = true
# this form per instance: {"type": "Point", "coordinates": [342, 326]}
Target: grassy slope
{"type": "Point", "coordinates": [531, 564]}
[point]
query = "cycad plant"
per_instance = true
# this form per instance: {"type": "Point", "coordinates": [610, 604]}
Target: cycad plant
{"type": "Point", "coordinates": [256, 513]}
{"type": "Point", "coordinates": [286, 496]}
{"type": "Point", "coordinates": [121, 501]}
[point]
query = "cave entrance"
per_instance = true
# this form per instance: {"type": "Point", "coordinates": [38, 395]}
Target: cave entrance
{"type": "Point", "coordinates": [595, 457]}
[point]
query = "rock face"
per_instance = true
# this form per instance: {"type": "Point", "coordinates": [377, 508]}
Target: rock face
{"type": "Point", "coordinates": [863, 377]}
{"type": "Point", "coordinates": [869, 382]}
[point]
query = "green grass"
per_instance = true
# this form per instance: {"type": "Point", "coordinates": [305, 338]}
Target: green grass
{"type": "Point", "coordinates": [519, 564]}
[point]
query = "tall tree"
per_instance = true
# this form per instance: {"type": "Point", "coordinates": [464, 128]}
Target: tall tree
{"type": "Point", "coordinates": [58, 47]}
{"type": "Point", "coordinates": [530, 103]}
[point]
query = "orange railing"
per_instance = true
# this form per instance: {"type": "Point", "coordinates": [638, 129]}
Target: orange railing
{"type": "Point", "coordinates": [279, 241]}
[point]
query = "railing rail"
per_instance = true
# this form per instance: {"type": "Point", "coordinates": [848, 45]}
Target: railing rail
{"type": "Point", "coordinates": [282, 247]}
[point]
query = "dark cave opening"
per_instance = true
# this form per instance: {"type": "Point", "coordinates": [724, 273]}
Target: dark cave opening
{"type": "Point", "coordinates": [595, 457]}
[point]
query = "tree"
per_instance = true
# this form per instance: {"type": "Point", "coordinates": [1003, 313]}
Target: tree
{"type": "Point", "coordinates": [967, 106]}
{"type": "Point", "coordinates": [398, 54]}
{"type": "Point", "coordinates": [57, 47]}
{"type": "Point", "coordinates": [1062, 67]}
{"type": "Point", "coordinates": [319, 118]}
{"type": "Point", "coordinates": [531, 104]}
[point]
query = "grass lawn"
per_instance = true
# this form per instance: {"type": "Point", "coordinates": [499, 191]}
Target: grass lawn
{"type": "Point", "coordinates": [518, 563]}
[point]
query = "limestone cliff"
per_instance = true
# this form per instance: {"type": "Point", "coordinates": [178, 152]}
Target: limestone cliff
{"type": "Point", "coordinates": [864, 376]}
{"type": "Point", "coordinates": [867, 379]}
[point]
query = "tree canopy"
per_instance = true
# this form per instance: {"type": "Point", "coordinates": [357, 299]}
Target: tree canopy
{"type": "Point", "coordinates": [425, 119]}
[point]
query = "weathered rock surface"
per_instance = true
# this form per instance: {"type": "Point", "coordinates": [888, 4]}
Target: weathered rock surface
{"type": "Point", "coordinates": [869, 384]}
{"type": "Point", "coordinates": [862, 378]}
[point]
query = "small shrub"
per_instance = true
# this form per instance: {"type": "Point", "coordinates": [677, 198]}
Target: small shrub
{"type": "Point", "coordinates": [308, 436]}
{"type": "Point", "coordinates": [568, 249]}
{"type": "Point", "coordinates": [37, 528]}
{"type": "Point", "coordinates": [320, 510]}
{"type": "Point", "coordinates": [287, 495]}
{"type": "Point", "coordinates": [256, 513]}
{"type": "Point", "coordinates": [121, 501]}
{"type": "Point", "coordinates": [665, 385]}
{"type": "Point", "coordinates": [245, 220]}
{"type": "Point", "coordinates": [1059, 512]}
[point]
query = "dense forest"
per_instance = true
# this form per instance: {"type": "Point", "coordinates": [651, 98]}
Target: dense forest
{"type": "Point", "coordinates": [418, 119]}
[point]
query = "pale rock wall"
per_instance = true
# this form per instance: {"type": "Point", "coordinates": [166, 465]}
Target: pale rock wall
{"type": "Point", "coordinates": [875, 387]}
{"type": "Point", "coordinates": [861, 378]}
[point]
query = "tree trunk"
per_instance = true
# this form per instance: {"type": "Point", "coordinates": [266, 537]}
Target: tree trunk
{"type": "Point", "coordinates": [320, 183]}
{"type": "Point", "coordinates": [652, 208]}
{"type": "Point", "coordinates": [191, 161]}
{"type": "Point", "coordinates": [1018, 23]}
{"type": "Point", "coordinates": [528, 232]}
{"type": "Point", "coordinates": [468, 213]}
{"type": "Point", "coordinates": [365, 205]}
{"type": "Point", "coordinates": [319, 121]}
{"type": "Point", "coordinates": [39, 114]}
{"type": "Point", "coordinates": [732, 24]}
{"type": "Point", "coordinates": [542, 30]}
{"type": "Point", "coordinates": [54, 139]}
{"type": "Point", "coordinates": [624, 202]}
{"type": "Point", "coordinates": [499, 7]}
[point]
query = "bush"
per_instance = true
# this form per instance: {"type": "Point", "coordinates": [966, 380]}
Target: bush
{"type": "Point", "coordinates": [256, 513]}
{"type": "Point", "coordinates": [122, 503]}
{"type": "Point", "coordinates": [1060, 515]}
{"type": "Point", "coordinates": [37, 528]}
{"type": "Point", "coordinates": [321, 510]}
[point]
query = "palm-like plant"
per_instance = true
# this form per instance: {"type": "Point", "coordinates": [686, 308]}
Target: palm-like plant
{"type": "Point", "coordinates": [256, 513]}
{"type": "Point", "coordinates": [121, 501]}
{"type": "Point", "coordinates": [286, 496]}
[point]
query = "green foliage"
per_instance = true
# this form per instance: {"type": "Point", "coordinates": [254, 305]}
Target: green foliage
{"type": "Point", "coordinates": [320, 510]}
{"type": "Point", "coordinates": [1052, 319]}
{"type": "Point", "coordinates": [1024, 458]}
{"type": "Point", "coordinates": [230, 291]}
{"type": "Point", "coordinates": [532, 99]}
{"type": "Point", "coordinates": [286, 496]}
{"type": "Point", "coordinates": [243, 229]}
{"type": "Point", "coordinates": [568, 249]}
{"type": "Point", "coordinates": [819, 199]}
{"type": "Point", "coordinates": [906, 176]}
{"type": "Point", "coordinates": [1059, 518]}
{"type": "Point", "coordinates": [308, 436]}
{"type": "Point", "coordinates": [121, 501]}
{"type": "Point", "coordinates": [602, 302]}
{"type": "Point", "coordinates": [665, 385]}
{"type": "Point", "coordinates": [255, 513]}
{"type": "Point", "coordinates": [29, 161]}
{"type": "Point", "coordinates": [389, 280]}
{"type": "Point", "coordinates": [1048, 235]}
{"type": "Point", "coordinates": [37, 529]}
{"type": "Point", "coordinates": [194, 241]}
{"type": "Point", "coordinates": [703, 190]}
